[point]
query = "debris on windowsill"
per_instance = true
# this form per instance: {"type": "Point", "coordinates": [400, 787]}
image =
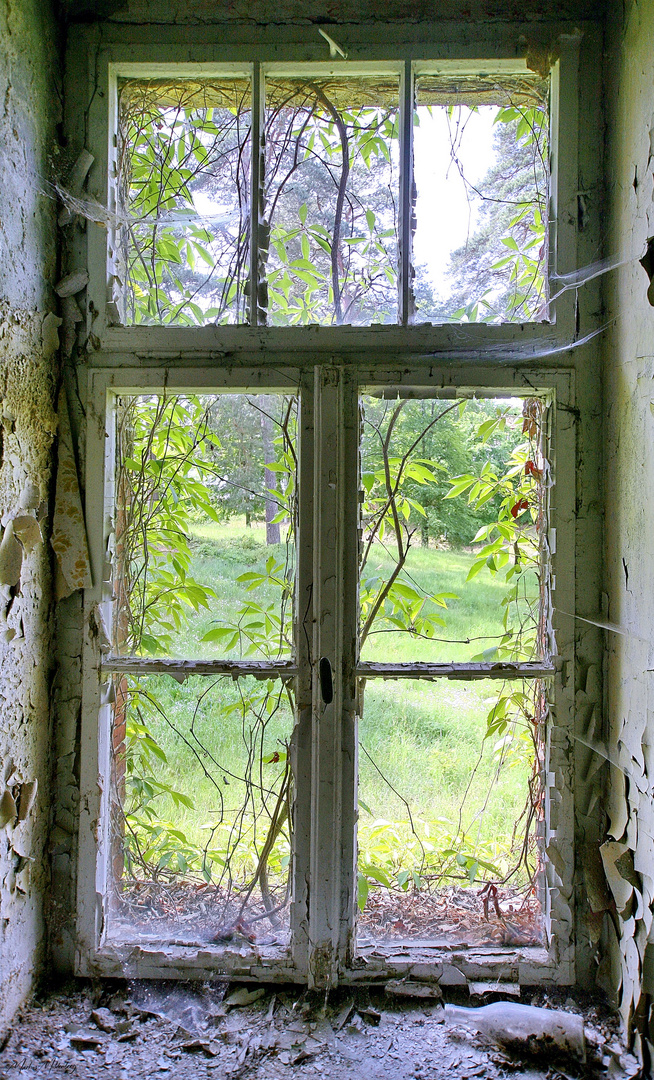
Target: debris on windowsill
{"type": "Point", "coordinates": [140, 1030]}
{"type": "Point", "coordinates": [538, 1032]}
{"type": "Point", "coordinates": [411, 989]}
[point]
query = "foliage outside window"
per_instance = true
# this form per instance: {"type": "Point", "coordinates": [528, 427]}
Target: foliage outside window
{"type": "Point", "coordinates": [203, 787]}
{"type": "Point", "coordinates": [328, 203]}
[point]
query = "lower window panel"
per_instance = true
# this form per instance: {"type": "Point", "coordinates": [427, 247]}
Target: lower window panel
{"type": "Point", "coordinates": [451, 812]}
{"type": "Point", "coordinates": [201, 791]}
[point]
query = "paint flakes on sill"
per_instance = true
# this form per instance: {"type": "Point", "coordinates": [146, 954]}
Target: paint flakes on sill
{"type": "Point", "coordinates": [182, 1030]}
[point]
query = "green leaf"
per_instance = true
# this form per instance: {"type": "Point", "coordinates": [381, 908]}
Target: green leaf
{"type": "Point", "coordinates": [362, 891]}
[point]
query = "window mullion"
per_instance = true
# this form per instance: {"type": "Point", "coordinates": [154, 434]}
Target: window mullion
{"type": "Point", "coordinates": [257, 313]}
{"type": "Point", "coordinates": [332, 872]}
{"type": "Point", "coordinates": [406, 223]}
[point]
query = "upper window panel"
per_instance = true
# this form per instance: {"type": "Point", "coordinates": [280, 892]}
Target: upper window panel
{"type": "Point", "coordinates": [351, 222]}
{"type": "Point", "coordinates": [331, 198]}
{"type": "Point", "coordinates": [184, 179]}
{"type": "Point", "coordinates": [481, 190]}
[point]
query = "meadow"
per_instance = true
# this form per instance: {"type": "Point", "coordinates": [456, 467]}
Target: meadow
{"type": "Point", "coordinates": [424, 759]}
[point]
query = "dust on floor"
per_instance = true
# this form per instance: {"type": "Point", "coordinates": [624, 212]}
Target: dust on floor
{"type": "Point", "coordinates": [214, 1031]}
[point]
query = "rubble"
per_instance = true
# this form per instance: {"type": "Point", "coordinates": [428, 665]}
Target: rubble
{"type": "Point", "coordinates": [189, 1031]}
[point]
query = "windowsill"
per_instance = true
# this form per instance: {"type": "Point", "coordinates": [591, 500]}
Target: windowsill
{"type": "Point", "coordinates": [455, 966]}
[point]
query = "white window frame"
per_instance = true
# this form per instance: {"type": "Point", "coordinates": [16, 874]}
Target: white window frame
{"type": "Point", "coordinates": [94, 94]}
{"type": "Point", "coordinates": [220, 357]}
{"type": "Point", "coordinates": [325, 737]}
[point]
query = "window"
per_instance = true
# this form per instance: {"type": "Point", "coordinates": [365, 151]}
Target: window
{"type": "Point", "coordinates": [210, 820]}
{"type": "Point", "coordinates": [334, 199]}
{"type": "Point", "coordinates": [260, 352]}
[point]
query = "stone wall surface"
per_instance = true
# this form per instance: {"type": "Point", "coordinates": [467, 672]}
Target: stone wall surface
{"type": "Point", "coordinates": [328, 11]}
{"type": "Point", "coordinates": [28, 348]}
{"type": "Point", "coordinates": [628, 852]}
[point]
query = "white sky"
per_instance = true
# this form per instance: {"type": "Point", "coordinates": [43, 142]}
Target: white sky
{"type": "Point", "coordinates": [445, 216]}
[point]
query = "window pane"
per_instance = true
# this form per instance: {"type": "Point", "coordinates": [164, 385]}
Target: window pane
{"type": "Point", "coordinates": [480, 161]}
{"type": "Point", "coordinates": [451, 812]}
{"type": "Point", "coordinates": [331, 196]}
{"type": "Point", "coordinates": [204, 526]}
{"type": "Point", "coordinates": [453, 559]}
{"type": "Point", "coordinates": [200, 803]}
{"type": "Point", "coordinates": [184, 177]}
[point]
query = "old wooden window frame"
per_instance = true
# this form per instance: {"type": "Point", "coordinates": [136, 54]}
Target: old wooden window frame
{"type": "Point", "coordinates": [329, 363]}
{"type": "Point", "coordinates": [96, 64]}
{"type": "Point", "coordinates": [322, 919]}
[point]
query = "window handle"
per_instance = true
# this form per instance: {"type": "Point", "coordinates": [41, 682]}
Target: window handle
{"type": "Point", "coordinates": [326, 680]}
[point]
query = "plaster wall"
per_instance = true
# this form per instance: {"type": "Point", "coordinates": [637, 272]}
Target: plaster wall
{"type": "Point", "coordinates": [628, 853]}
{"type": "Point", "coordinates": [28, 345]}
{"type": "Point", "coordinates": [263, 12]}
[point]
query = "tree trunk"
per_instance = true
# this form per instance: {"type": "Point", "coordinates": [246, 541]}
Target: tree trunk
{"type": "Point", "coordinates": [270, 478]}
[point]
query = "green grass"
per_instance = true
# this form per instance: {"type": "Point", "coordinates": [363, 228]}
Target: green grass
{"type": "Point", "coordinates": [473, 621]}
{"type": "Point", "coordinates": [426, 740]}
{"type": "Point", "coordinates": [222, 553]}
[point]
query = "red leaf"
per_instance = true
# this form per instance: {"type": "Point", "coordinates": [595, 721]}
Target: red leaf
{"type": "Point", "coordinates": [518, 507]}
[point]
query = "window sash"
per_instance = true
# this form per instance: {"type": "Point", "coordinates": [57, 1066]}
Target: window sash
{"type": "Point", "coordinates": [325, 738]}
{"type": "Point", "coordinates": [408, 69]}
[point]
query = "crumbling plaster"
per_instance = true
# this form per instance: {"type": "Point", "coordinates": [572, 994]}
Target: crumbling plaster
{"type": "Point", "coordinates": [629, 548]}
{"type": "Point", "coordinates": [264, 12]}
{"type": "Point", "coordinates": [28, 346]}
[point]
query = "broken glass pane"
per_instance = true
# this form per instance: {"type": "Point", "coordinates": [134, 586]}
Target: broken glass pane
{"type": "Point", "coordinates": [480, 246]}
{"type": "Point", "coordinates": [331, 200]}
{"type": "Point", "coordinates": [451, 812]}
{"type": "Point", "coordinates": [454, 560]}
{"type": "Point", "coordinates": [204, 526]}
{"type": "Point", "coordinates": [183, 181]}
{"type": "Point", "coordinates": [200, 810]}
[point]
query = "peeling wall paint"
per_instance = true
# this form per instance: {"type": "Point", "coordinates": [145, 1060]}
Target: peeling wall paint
{"type": "Point", "coordinates": [28, 347]}
{"type": "Point", "coordinates": [628, 851]}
